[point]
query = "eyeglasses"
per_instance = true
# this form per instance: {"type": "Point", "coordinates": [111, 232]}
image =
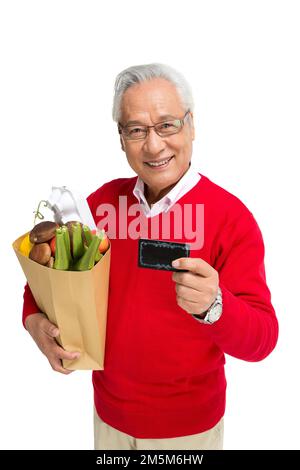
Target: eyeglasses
{"type": "Point", "coordinates": [163, 129]}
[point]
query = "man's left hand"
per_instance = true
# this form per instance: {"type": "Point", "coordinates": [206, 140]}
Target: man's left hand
{"type": "Point", "coordinates": [196, 289]}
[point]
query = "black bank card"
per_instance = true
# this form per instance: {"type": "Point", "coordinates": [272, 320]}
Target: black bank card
{"type": "Point", "coordinates": [158, 254]}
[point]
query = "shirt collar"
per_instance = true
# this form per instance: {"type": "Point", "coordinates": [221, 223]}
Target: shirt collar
{"type": "Point", "coordinates": [184, 182]}
{"type": "Point", "coordinates": [138, 191]}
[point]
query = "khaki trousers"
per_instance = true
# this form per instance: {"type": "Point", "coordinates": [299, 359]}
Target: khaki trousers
{"type": "Point", "coordinates": [109, 438]}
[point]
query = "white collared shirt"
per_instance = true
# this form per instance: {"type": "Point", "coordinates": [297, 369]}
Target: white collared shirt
{"type": "Point", "coordinates": [185, 184]}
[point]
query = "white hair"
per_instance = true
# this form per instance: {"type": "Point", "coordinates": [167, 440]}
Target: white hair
{"type": "Point", "coordinates": [140, 73]}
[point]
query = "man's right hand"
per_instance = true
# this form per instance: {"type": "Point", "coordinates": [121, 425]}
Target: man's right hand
{"type": "Point", "coordinates": [44, 333]}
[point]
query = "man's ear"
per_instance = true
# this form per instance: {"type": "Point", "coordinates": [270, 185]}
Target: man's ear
{"type": "Point", "coordinates": [192, 125]}
{"type": "Point", "coordinates": [122, 144]}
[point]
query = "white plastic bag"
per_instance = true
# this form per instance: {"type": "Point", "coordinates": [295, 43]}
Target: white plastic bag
{"type": "Point", "coordinates": [69, 205]}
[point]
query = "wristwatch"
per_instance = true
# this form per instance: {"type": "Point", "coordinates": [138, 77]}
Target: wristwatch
{"type": "Point", "coordinates": [214, 312]}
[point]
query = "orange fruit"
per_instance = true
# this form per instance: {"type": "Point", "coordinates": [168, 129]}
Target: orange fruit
{"type": "Point", "coordinates": [104, 244]}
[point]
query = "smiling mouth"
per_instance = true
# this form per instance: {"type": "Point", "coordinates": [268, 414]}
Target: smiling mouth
{"type": "Point", "coordinates": [160, 163]}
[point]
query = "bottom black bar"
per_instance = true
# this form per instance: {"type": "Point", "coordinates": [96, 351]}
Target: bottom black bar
{"type": "Point", "coordinates": [134, 458]}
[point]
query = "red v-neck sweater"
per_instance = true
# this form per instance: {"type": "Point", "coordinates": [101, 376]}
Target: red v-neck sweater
{"type": "Point", "coordinates": [164, 375]}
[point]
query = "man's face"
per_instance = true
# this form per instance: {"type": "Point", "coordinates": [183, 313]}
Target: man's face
{"type": "Point", "coordinates": [148, 103]}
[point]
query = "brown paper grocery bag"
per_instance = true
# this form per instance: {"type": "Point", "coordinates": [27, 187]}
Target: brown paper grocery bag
{"type": "Point", "coordinates": [74, 301]}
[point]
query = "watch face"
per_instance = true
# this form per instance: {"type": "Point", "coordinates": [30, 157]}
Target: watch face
{"type": "Point", "coordinates": [215, 313]}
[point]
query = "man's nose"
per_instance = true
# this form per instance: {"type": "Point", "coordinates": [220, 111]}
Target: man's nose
{"type": "Point", "coordinates": [153, 142]}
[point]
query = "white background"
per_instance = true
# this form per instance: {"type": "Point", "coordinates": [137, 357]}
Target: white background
{"type": "Point", "coordinates": [58, 63]}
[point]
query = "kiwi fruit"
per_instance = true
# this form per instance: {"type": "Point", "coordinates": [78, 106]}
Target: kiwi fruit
{"type": "Point", "coordinates": [40, 253]}
{"type": "Point", "coordinates": [43, 232]}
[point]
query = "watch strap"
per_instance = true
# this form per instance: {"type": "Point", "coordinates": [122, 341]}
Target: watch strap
{"type": "Point", "coordinates": [203, 317]}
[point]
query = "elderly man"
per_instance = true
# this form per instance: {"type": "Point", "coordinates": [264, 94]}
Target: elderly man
{"type": "Point", "coordinates": [163, 385]}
